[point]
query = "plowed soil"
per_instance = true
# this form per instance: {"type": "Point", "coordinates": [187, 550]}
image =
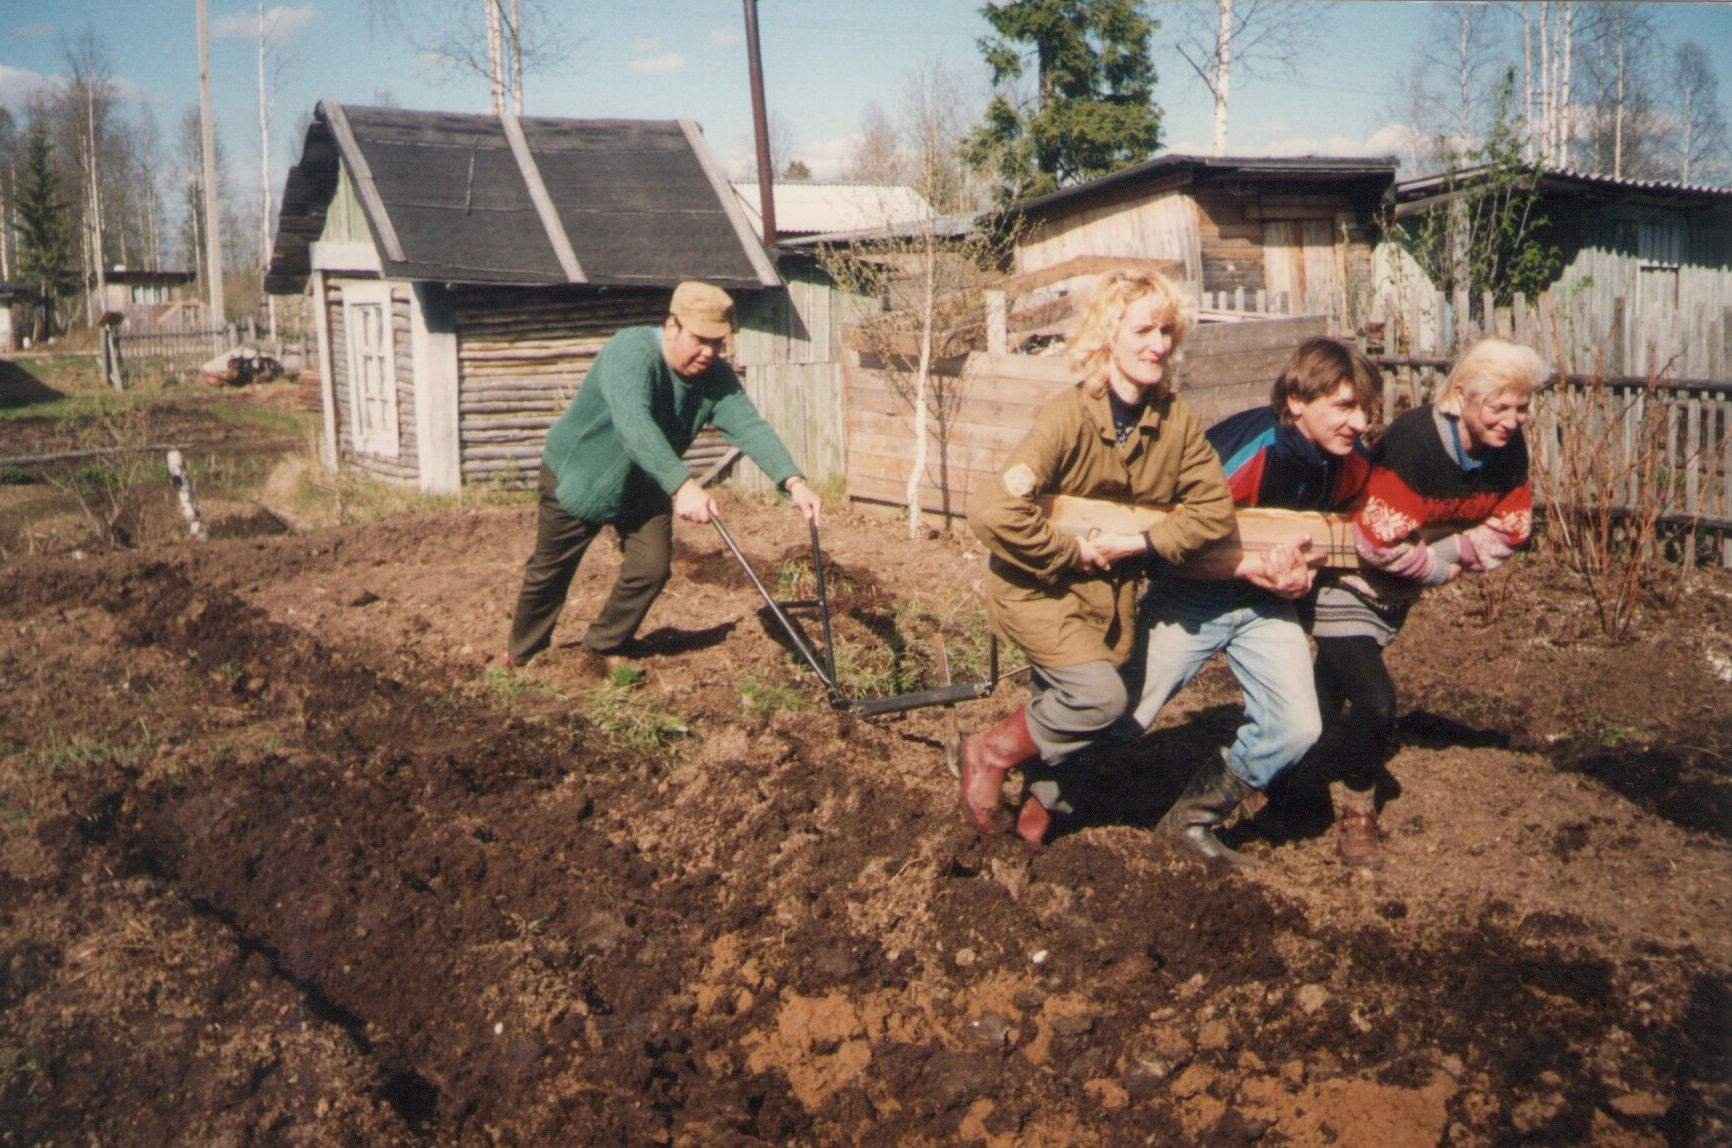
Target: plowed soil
{"type": "Point", "coordinates": [280, 862]}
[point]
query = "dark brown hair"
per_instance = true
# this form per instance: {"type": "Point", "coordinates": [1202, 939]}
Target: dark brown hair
{"type": "Point", "coordinates": [1318, 367]}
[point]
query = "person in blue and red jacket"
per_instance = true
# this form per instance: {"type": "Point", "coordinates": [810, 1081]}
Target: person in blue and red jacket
{"type": "Point", "coordinates": [1459, 467]}
{"type": "Point", "coordinates": [1301, 451]}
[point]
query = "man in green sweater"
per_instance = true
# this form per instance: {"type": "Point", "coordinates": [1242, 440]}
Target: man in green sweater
{"type": "Point", "coordinates": [613, 459]}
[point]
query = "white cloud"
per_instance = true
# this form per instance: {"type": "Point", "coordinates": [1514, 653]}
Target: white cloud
{"type": "Point", "coordinates": [724, 37]}
{"type": "Point", "coordinates": [40, 31]}
{"type": "Point", "coordinates": [18, 84]}
{"type": "Point", "coordinates": [280, 20]}
{"type": "Point", "coordinates": [646, 45]}
{"type": "Point", "coordinates": [659, 65]}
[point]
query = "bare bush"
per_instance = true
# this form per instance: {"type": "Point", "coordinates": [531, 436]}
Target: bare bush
{"type": "Point", "coordinates": [1607, 474]}
{"type": "Point", "coordinates": [110, 490]}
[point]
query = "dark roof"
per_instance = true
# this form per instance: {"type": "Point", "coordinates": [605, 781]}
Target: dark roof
{"type": "Point", "coordinates": [140, 275]}
{"type": "Point", "coordinates": [486, 199]}
{"type": "Point", "coordinates": [17, 290]}
{"type": "Point", "coordinates": [1176, 169]}
{"type": "Point", "coordinates": [1570, 182]}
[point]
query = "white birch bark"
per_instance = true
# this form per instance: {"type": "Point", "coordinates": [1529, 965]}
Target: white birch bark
{"type": "Point", "coordinates": [517, 56]}
{"type": "Point", "coordinates": [1223, 72]}
{"type": "Point", "coordinates": [495, 56]}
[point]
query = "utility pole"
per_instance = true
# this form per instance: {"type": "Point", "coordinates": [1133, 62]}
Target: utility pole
{"type": "Point", "coordinates": [213, 246]}
{"type": "Point", "coordinates": [760, 127]}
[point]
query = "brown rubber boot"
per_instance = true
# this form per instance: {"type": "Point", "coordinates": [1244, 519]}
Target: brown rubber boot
{"type": "Point", "coordinates": [986, 758]}
{"type": "Point", "coordinates": [1208, 799]}
{"type": "Point", "coordinates": [1358, 840]}
{"type": "Point", "coordinates": [1033, 823]}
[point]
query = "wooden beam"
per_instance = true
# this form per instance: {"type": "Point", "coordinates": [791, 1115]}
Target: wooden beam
{"type": "Point", "coordinates": [1258, 528]}
{"type": "Point", "coordinates": [338, 119]}
{"type": "Point", "coordinates": [1087, 265]}
{"type": "Point", "coordinates": [730, 202]}
{"type": "Point", "coordinates": [544, 208]}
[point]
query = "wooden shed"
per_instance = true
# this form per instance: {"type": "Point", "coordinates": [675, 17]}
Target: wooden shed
{"type": "Point", "coordinates": [152, 300]}
{"type": "Point", "coordinates": [1300, 229]}
{"type": "Point", "coordinates": [465, 270]}
{"type": "Point", "coordinates": [1645, 278]}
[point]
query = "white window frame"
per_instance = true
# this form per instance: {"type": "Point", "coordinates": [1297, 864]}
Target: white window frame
{"type": "Point", "coordinates": [373, 426]}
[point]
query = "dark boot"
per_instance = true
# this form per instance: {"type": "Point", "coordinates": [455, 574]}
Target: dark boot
{"type": "Point", "coordinates": [1212, 794]}
{"type": "Point", "coordinates": [986, 758]}
{"type": "Point", "coordinates": [1358, 840]}
{"type": "Point", "coordinates": [1033, 822]}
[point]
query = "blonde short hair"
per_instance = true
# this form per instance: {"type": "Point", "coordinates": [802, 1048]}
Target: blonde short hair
{"type": "Point", "coordinates": [1090, 352]}
{"type": "Point", "coordinates": [1489, 367]}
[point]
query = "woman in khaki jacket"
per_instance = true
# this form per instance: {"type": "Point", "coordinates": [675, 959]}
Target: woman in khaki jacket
{"type": "Point", "coordinates": [1120, 435]}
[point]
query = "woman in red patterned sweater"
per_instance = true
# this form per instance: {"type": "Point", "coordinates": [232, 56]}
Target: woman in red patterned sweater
{"type": "Point", "coordinates": [1455, 472]}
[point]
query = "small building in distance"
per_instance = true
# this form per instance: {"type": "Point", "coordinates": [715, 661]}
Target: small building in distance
{"type": "Point", "coordinates": [1644, 280]}
{"type": "Point", "coordinates": [17, 314]}
{"type": "Point", "coordinates": [1295, 231]}
{"type": "Point", "coordinates": [466, 269]}
{"type": "Point", "coordinates": [813, 207]}
{"type": "Point", "coordinates": [152, 300]}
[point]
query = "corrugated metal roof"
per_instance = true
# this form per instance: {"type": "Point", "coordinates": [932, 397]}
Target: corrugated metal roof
{"type": "Point", "coordinates": [526, 202]}
{"type": "Point", "coordinates": [1442, 182]}
{"type": "Point", "coordinates": [957, 226]}
{"type": "Point", "coordinates": [1178, 167]}
{"type": "Point", "coordinates": [813, 208]}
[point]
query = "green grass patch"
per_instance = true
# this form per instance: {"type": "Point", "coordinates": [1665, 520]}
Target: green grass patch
{"type": "Point", "coordinates": [616, 708]}
{"type": "Point", "coordinates": [76, 751]}
{"type": "Point", "coordinates": [766, 698]}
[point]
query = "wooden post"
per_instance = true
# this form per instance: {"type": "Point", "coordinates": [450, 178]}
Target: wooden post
{"type": "Point", "coordinates": [997, 337]}
{"type": "Point", "coordinates": [1618, 355]}
{"type": "Point", "coordinates": [188, 501]}
{"type": "Point", "coordinates": [1238, 298]}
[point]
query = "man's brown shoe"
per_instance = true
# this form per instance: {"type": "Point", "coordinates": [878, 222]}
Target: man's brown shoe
{"type": "Point", "coordinates": [1358, 840]}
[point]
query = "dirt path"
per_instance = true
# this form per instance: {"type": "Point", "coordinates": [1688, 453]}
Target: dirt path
{"type": "Point", "coordinates": [278, 860]}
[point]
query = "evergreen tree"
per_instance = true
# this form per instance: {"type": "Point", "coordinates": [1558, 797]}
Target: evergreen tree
{"type": "Point", "coordinates": [46, 259]}
{"type": "Point", "coordinates": [1092, 110]}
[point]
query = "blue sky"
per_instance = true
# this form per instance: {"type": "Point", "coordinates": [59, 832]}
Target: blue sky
{"type": "Point", "coordinates": [824, 61]}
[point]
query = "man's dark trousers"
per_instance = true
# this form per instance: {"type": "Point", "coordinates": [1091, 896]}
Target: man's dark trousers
{"type": "Point", "coordinates": [646, 544]}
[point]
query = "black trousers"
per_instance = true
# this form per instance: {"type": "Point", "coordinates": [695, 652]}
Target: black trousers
{"type": "Point", "coordinates": [1351, 675]}
{"type": "Point", "coordinates": [646, 543]}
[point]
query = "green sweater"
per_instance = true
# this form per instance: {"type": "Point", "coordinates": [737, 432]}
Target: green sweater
{"type": "Point", "coordinates": [618, 444]}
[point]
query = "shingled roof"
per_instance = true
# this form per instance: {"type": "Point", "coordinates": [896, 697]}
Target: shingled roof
{"type": "Point", "coordinates": [532, 201]}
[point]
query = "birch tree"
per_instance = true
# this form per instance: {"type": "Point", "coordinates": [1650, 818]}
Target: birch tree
{"type": "Point", "coordinates": [1219, 38]}
{"type": "Point", "coordinates": [90, 94]}
{"type": "Point", "coordinates": [1700, 129]}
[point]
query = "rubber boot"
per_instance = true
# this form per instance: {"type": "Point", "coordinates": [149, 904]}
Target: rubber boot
{"type": "Point", "coordinates": [986, 758]}
{"type": "Point", "coordinates": [1211, 796]}
{"type": "Point", "coordinates": [1033, 822]}
{"type": "Point", "coordinates": [1358, 840]}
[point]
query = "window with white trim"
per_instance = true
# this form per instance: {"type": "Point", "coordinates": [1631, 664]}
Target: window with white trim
{"type": "Point", "coordinates": [372, 369]}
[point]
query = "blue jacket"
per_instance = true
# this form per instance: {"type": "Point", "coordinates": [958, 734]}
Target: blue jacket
{"type": "Point", "coordinates": [1268, 464]}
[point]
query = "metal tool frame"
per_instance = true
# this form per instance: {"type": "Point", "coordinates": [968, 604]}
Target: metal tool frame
{"type": "Point", "coordinates": [825, 668]}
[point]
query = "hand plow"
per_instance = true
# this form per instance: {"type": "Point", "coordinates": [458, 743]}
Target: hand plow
{"type": "Point", "coordinates": [825, 666]}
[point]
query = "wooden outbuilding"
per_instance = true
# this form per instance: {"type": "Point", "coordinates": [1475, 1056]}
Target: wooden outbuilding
{"type": "Point", "coordinates": [152, 300]}
{"type": "Point", "coordinates": [1297, 231]}
{"type": "Point", "coordinates": [466, 269]}
{"type": "Point", "coordinates": [1644, 280]}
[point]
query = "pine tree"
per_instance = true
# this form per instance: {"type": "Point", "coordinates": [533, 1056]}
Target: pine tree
{"type": "Point", "coordinates": [46, 259]}
{"type": "Point", "coordinates": [1092, 111]}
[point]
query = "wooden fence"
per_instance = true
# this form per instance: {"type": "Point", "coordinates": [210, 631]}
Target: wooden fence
{"type": "Point", "coordinates": [1687, 422]}
{"type": "Point", "coordinates": [983, 404]}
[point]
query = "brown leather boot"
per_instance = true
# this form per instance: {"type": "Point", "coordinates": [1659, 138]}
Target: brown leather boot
{"type": "Point", "coordinates": [986, 758]}
{"type": "Point", "coordinates": [1358, 840]}
{"type": "Point", "coordinates": [1033, 823]}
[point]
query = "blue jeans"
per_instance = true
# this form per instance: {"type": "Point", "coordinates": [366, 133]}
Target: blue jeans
{"type": "Point", "coordinates": [1186, 621]}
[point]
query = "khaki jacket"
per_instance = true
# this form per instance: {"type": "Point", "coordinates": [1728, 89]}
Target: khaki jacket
{"type": "Point", "coordinates": [1034, 595]}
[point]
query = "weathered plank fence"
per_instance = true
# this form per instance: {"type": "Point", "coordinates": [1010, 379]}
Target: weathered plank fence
{"type": "Point", "coordinates": [983, 404]}
{"type": "Point", "coordinates": [1684, 424]}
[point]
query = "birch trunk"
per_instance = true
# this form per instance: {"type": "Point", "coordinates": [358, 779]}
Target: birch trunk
{"type": "Point", "coordinates": [923, 376]}
{"type": "Point", "coordinates": [1566, 124]}
{"type": "Point", "coordinates": [495, 56]}
{"type": "Point", "coordinates": [1223, 72]}
{"type": "Point", "coordinates": [95, 192]}
{"type": "Point", "coordinates": [517, 56]}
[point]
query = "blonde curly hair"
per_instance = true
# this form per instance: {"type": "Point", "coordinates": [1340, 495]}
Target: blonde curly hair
{"type": "Point", "coordinates": [1491, 366]}
{"type": "Point", "coordinates": [1090, 353]}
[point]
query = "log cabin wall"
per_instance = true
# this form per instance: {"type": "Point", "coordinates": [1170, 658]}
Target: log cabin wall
{"type": "Point", "coordinates": [403, 466]}
{"type": "Point", "coordinates": [521, 355]}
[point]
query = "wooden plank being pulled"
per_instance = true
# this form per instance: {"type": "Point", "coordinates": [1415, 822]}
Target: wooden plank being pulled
{"type": "Point", "coordinates": [1258, 529]}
